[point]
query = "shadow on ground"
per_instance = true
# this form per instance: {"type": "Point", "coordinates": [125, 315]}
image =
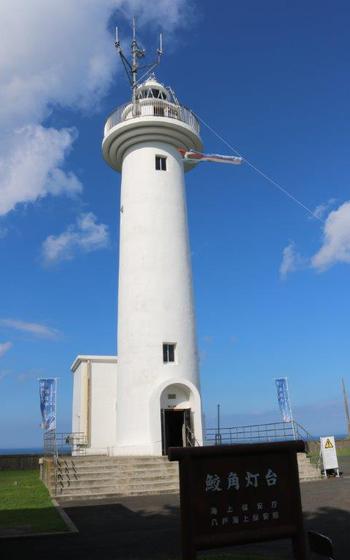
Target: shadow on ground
{"type": "Point", "coordinates": [149, 528]}
{"type": "Point", "coordinates": [108, 531]}
{"type": "Point", "coordinates": [335, 523]}
{"type": "Point", "coordinates": [27, 521]}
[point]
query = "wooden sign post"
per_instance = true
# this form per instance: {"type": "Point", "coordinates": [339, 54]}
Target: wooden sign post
{"type": "Point", "coordinates": [239, 494]}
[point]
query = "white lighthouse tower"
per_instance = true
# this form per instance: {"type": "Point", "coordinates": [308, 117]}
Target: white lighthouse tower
{"type": "Point", "coordinates": [157, 394]}
{"type": "Point", "coordinates": [158, 399]}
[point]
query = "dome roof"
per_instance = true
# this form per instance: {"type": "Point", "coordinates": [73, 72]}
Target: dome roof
{"type": "Point", "coordinates": [152, 82]}
{"type": "Point", "coordinates": [153, 89]}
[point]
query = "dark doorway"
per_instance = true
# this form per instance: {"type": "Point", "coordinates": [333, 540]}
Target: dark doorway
{"type": "Point", "coordinates": [174, 423]}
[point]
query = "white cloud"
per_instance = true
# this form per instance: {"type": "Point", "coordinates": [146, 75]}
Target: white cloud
{"type": "Point", "coordinates": [56, 54]}
{"type": "Point", "coordinates": [4, 347]}
{"type": "Point", "coordinates": [170, 14]}
{"type": "Point", "coordinates": [321, 209]}
{"type": "Point", "coordinates": [36, 329]}
{"type": "Point", "coordinates": [335, 246]}
{"type": "Point", "coordinates": [84, 236]}
{"type": "Point", "coordinates": [336, 239]}
{"type": "Point", "coordinates": [291, 260]}
{"type": "Point", "coordinates": [32, 170]}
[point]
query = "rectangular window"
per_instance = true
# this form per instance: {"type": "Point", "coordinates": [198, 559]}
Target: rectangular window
{"type": "Point", "coordinates": [168, 353]}
{"type": "Point", "coordinates": [160, 163]}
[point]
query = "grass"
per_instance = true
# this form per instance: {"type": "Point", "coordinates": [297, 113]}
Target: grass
{"type": "Point", "coordinates": [25, 502]}
{"type": "Point", "coordinates": [341, 452]}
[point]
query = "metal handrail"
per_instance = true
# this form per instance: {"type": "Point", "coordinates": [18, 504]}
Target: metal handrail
{"type": "Point", "coordinates": [64, 443]}
{"type": "Point", "coordinates": [302, 432]}
{"type": "Point", "coordinates": [191, 440]}
{"type": "Point", "coordinates": [152, 108]}
{"type": "Point", "coordinates": [273, 431]}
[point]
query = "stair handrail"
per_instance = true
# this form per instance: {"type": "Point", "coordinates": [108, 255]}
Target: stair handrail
{"type": "Point", "coordinates": [302, 432]}
{"type": "Point", "coordinates": [55, 467]}
{"type": "Point", "coordinates": [308, 438]}
{"type": "Point", "coordinates": [190, 438]}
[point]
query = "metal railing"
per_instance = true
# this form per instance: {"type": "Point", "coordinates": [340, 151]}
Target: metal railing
{"type": "Point", "coordinates": [64, 474]}
{"type": "Point", "coordinates": [257, 433]}
{"type": "Point", "coordinates": [191, 440]}
{"type": "Point", "coordinates": [152, 108]}
{"type": "Point", "coordinates": [56, 444]}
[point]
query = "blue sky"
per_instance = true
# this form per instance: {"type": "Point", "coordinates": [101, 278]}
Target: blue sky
{"type": "Point", "coordinates": [271, 280]}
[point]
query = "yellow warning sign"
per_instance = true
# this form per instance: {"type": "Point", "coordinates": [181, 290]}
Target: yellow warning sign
{"type": "Point", "coordinates": [328, 444]}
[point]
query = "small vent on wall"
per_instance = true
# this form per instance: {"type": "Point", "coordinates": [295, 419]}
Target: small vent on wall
{"type": "Point", "coordinates": [171, 396]}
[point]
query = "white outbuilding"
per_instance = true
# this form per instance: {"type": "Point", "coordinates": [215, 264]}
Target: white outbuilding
{"type": "Point", "coordinates": [147, 398]}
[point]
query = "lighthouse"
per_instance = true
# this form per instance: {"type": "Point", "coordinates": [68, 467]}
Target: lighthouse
{"type": "Point", "coordinates": [148, 397]}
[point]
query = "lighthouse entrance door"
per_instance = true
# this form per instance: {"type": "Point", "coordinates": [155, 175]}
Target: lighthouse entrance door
{"type": "Point", "coordinates": [174, 425]}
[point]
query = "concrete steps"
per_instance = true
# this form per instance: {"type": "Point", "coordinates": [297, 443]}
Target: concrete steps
{"type": "Point", "coordinates": [96, 477]}
{"type": "Point", "coordinates": [101, 477]}
{"type": "Point", "coordinates": [307, 471]}
{"type": "Point", "coordinates": [117, 477]}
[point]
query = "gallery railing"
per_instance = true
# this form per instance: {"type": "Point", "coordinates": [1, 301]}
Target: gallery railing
{"type": "Point", "coordinates": [56, 444]}
{"type": "Point", "coordinates": [152, 108]}
{"type": "Point", "coordinates": [255, 433]}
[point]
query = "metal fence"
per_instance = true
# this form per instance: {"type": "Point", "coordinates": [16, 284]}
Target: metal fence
{"type": "Point", "coordinates": [64, 443]}
{"type": "Point", "coordinates": [152, 108]}
{"type": "Point", "coordinates": [257, 433]}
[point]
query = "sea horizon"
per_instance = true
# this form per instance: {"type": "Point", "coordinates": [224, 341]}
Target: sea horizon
{"type": "Point", "coordinates": [21, 451]}
{"type": "Point", "coordinates": [40, 450]}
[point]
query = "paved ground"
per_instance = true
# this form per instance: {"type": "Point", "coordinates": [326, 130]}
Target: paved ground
{"type": "Point", "coordinates": [344, 464]}
{"type": "Point", "coordinates": [148, 527]}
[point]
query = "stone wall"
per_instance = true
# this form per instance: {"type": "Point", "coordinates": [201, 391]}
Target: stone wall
{"type": "Point", "coordinates": [19, 462]}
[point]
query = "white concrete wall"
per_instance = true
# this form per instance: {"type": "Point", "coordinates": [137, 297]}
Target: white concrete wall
{"type": "Point", "coordinates": [103, 407]}
{"type": "Point", "coordinates": [183, 397]}
{"type": "Point", "coordinates": [80, 396]}
{"type": "Point", "coordinates": [76, 412]}
{"type": "Point", "coordinates": [155, 303]}
{"type": "Point", "coordinates": [102, 372]}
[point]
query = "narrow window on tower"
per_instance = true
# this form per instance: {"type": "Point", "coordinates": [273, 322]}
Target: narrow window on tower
{"type": "Point", "coordinates": [160, 163]}
{"type": "Point", "coordinates": [168, 353]}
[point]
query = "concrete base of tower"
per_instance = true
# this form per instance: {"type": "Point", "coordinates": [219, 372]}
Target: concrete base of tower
{"type": "Point", "coordinates": [171, 418]}
{"type": "Point", "coordinates": [138, 450]}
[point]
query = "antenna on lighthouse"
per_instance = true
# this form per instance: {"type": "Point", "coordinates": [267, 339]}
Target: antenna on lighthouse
{"type": "Point", "coordinates": [132, 67]}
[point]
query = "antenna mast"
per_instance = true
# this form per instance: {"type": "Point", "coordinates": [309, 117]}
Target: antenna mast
{"type": "Point", "coordinates": [346, 404]}
{"type": "Point", "coordinates": [132, 67]}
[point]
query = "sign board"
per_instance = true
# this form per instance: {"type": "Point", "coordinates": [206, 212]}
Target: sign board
{"type": "Point", "coordinates": [329, 453]}
{"type": "Point", "coordinates": [239, 494]}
